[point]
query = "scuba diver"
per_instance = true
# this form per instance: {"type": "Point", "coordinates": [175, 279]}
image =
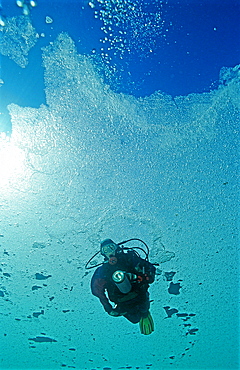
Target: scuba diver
{"type": "Point", "coordinates": [125, 276]}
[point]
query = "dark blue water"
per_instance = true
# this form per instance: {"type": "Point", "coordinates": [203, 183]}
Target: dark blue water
{"type": "Point", "coordinates": [190, 44]}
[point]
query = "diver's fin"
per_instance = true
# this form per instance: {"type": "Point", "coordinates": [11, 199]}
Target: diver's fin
{"type": "Point", "coordinates": [146, 325]}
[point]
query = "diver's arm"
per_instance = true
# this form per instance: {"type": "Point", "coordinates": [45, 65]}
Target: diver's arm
{"type": "Point", "coordinates": [98, 289]}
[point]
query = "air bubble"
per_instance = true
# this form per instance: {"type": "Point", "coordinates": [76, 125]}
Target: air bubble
{"type": "Point", "coordinates": [128, 27]}
{"type": "Point", "coordinates": [48, 19]}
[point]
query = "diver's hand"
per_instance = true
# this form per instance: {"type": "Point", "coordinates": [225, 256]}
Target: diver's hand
{"type": "Point", "coordinates": [116, 313]}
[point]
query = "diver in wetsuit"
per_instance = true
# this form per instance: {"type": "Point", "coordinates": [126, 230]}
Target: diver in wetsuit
{"type": "Point", "coordinates": [125, 276]}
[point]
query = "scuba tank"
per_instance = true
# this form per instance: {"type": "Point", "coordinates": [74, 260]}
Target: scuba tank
{"type": "Point", "coordinates": [121, 280]}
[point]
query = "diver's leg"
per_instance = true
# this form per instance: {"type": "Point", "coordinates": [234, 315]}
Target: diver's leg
{"type": "Point", "coordinates": [144, 306]}
{"type": "Point", "coordinates": [137, 311]}
{"type": "Point", "coordinates": [133, 317]}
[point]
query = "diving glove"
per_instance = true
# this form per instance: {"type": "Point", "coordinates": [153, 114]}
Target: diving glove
{"type": "Point", "coordinates": [146, 324]}
{"type": "Point", "coordinates": [115, 312]}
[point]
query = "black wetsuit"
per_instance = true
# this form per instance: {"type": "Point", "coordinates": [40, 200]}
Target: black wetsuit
{"type": "Point", "coordinates": [134, 304]}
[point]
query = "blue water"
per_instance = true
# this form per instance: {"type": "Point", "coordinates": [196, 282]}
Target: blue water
{"type": "Point", "coordinates": [118, 120]}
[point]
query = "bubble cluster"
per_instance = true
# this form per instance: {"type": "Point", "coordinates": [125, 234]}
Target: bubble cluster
{"type": "Point", "coordinates": [128, 26]}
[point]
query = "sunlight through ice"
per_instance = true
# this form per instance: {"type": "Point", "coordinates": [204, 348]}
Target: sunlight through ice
{"type": "Point", "coordinates": [11, 160]}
